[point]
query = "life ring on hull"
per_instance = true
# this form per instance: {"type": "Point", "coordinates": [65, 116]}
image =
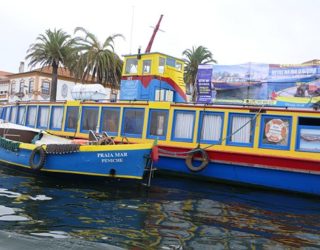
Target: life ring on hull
{"type": "Point", "coordinates": [204, 160]}
{"type": "Point", "coordinates": [276, 130]}
{"type": "Point", "coordinates": [37, 165]}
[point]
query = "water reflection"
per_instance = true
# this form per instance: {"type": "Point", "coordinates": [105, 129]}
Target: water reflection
{"type": "Point", "coordinates": [172, 214]}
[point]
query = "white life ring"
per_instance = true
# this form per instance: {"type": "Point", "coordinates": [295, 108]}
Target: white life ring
{"type": "Point", "coordinates": [276, 130]}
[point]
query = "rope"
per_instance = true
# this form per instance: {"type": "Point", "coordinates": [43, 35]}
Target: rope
{"type": "Point", "coordinates": [211, 145]}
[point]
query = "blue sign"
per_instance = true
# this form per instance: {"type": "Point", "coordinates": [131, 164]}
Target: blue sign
{"type": "Point", "coordinates": [204, 86]}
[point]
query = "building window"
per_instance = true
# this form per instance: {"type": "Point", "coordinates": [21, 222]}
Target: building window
{"type": "Point", "coordinates": [146, 66]}
{"type": "Point", "coordinates": [21, 86]}
{"type": "Point", "coordinates": [183, 125]}
{"type": "Point", "coordinates": [13, 88]}
{"type": "Point", "coordinates": [132, 124]}
{"type": "Point", "coordinates": [110, 120]}
{"type": "Point", "coordinates": [45, 87]}
{"type": "Point", "coordinates": [131, 66]}
{"type": "Point", "coordinates": [31, 86]}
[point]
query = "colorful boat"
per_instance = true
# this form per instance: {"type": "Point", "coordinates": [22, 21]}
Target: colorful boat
{"type": "Point", "coordinates": [251, 145]}
{"type": "Point", "coordinates": [39, 151]}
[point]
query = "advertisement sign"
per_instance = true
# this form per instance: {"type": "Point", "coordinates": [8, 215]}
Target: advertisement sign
{"type": "Point", "coordinates": [204, 87]}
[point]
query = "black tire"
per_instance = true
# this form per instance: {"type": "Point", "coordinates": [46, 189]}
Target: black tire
{"type": "Point", "coordinates": [42, 158]}
{"type": "Point", "coordinates": [204, 160]}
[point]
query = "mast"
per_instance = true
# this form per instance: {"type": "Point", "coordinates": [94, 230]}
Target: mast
{"type": "Point", "coordinates": [148, 49]}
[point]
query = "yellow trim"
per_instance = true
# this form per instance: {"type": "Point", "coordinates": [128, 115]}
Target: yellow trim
{"type": "Point", "coordinates": [159, 105]}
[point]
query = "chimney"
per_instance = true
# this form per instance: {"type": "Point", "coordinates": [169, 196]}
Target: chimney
{"type": "Point", "coordinates": [21, 67]}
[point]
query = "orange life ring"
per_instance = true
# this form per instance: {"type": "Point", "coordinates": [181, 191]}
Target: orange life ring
{"type": "Point", "coordinates": [276, 130]}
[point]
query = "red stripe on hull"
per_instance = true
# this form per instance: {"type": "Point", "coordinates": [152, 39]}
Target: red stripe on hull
{"type": "Point", "coordinates": [284, 163]}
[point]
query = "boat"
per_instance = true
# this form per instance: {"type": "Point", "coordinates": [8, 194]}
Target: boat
{"type": "Point", "coordinates": [245, 144]}
{"type": "Point", "coordinates": [38, 151]}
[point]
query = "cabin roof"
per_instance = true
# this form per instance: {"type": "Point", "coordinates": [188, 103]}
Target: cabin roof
{"type": "Point", "coordinates": [152, 53]}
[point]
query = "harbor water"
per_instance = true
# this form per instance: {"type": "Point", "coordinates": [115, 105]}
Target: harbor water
{"type": "Point", "coordinates": [50, 212]}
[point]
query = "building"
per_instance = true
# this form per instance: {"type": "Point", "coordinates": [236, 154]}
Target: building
{"type": "Point", "coordinates": [36, 85]}
{"type": "Point", "coordinates": [4, 85]}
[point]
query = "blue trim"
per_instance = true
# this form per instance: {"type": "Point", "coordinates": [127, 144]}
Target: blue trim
{"type": "Point", "coordinates": [28, 111]}
{"type": "Point", "coordinates": [51, 118]}
{"type": "Point", "coordinates": [84, 109]}
{"type": "Point", "coordinates": [298, 138]}
{"type": "Point", "coordinates": [39, 116]}
{"type": "Point", "coordinates": [162, 137]}
{"type": "Point", "coordinates": [202, 114]}
{"type": "Point", "coordinates": [19, 111]}
{"type": "Point", "coordinates": [3, 113]}
{"type": "Point", "coordinates": [66, 123]}
{"type": "Point", "coordinates": [103, 116]}
{"type": "Point", "coordinates": [229, 131]}
{"type": "Point", "coordinates": [137, 123]}
{"type": "Point", "coordinates": [262, 128]}
{"type": "Point", "coordinates": [176, 112]}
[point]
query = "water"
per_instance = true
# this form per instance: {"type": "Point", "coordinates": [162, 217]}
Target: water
{"type": "Point", "coordinates": [57, 213]}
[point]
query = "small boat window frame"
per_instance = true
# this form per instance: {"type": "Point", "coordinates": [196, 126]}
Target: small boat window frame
{"type": "Point", "coordinates": [66, 123]}
{"type": "Point", "coordinates": [202, 114]}
{"type": "Point", "coordinates": [175, 114]}
{"type": "Point", "coordinates": [27, 116]}
{"type": "Point", "coordinates": [118, 110]}
{"type": "Point", "coordinates": [39, 117]}
{"type": "Point", "coordinates": [14, 111]}
{"type": "Point", "coordinates": [124, 116]}
{"type": "Point", "coordinates": [84, 109]}
{"type": "Point", "coordinates": [53, 108]}
{"type": "Point", "coordinates": [165, 129]}
{"type": "Point", "coordinates": [229, 141]}
{"type": "Point", "coordinates": [307, 127]}
{"type": "Point", "coordinates": [263, 122]}
{"type": "Point", "coordinates": [8, 114]}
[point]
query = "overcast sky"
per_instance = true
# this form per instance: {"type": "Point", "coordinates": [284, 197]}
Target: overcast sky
{"type": "Point", "coordinates": [235, 31]}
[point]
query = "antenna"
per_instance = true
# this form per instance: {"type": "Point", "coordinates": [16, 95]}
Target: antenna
{"type": "Point", "coordinates": [156, 28]}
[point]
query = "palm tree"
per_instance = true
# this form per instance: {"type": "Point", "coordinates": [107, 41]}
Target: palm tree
{"type": "Point", "coordinates": [54, 48]}
{"type": "Point", "coordinates": [194, 57]}
{"type": "Point", "coordinates": [97, 61]}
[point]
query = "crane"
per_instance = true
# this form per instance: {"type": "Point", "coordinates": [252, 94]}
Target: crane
{"type": "Point", "coordinates": [156, 28]}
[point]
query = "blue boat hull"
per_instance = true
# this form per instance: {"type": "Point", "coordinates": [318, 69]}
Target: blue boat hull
{"type": "Point", "coordinates": [301, 182]}
{"type": "Point", "coordinates": [129, 164]}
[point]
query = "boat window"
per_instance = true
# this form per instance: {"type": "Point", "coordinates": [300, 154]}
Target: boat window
{"type": "Point", "coordinates": [72, 117]}
{"type": "Point", "coordinates": [56, 117]}
{"type": "Point", "coordinates": [210, 127]}
{"type": "Point", "coordinates": [89, 119]}
{"type": "Point", "coordinates": [31, 116]}
{"type": "Point", "coordinates": [178, 66]}
{"type": "Point", "coordinates": [132, 124]}
{"type": "Point", "coordinates": [171, 62]}
{"type": "Point", "coordinates": [43, 116]}
{"type": "Point", "coordinates": [158, 120]}
{"type": "Point", "coordinates": [241, 130]}
{"type": "Point", "coordinates": [164, 95]}
{"type": "Point", "coordinates": [14, 113]}
{"type": "Point", "coordinates": [146, 66]}
{"type": "Point", "coordinates": [162, 62]}
{"type": "Point", "coordinates": [22, 115]}
{"type": "Point", "coordinates": [275, 132]}
{"type": "Point", "coordinates": [131, 66]}
{"type": "Point", "coordinates": [110, 120]}
{"type": "Point", "coordinates": [8, 111]}
{"type": "Point", "coordinates": [308, 137]}
{"type": "Point", "coordinates": [183, 125]}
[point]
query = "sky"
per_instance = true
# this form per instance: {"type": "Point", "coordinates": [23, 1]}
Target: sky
{"type": "Point", "coordinates": [235, 31]}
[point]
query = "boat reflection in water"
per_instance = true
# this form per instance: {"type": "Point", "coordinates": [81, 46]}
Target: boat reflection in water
{"type": "Point", "coordinates": [172, 214]}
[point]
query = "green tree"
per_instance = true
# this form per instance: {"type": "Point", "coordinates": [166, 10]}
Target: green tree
{"type": "Point", "coordinates": [97, 61]}
{"type": "Point", "coordinates": [54, 48]}
{"type": "Point", "coordinates": [194, 57]}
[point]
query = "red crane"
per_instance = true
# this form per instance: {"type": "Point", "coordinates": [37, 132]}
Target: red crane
{"type": "Point", "coordinates": [148, 49]}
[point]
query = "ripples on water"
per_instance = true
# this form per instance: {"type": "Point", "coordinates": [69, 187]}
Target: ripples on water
{"type": "Point", "coordinates": [172, 214]}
